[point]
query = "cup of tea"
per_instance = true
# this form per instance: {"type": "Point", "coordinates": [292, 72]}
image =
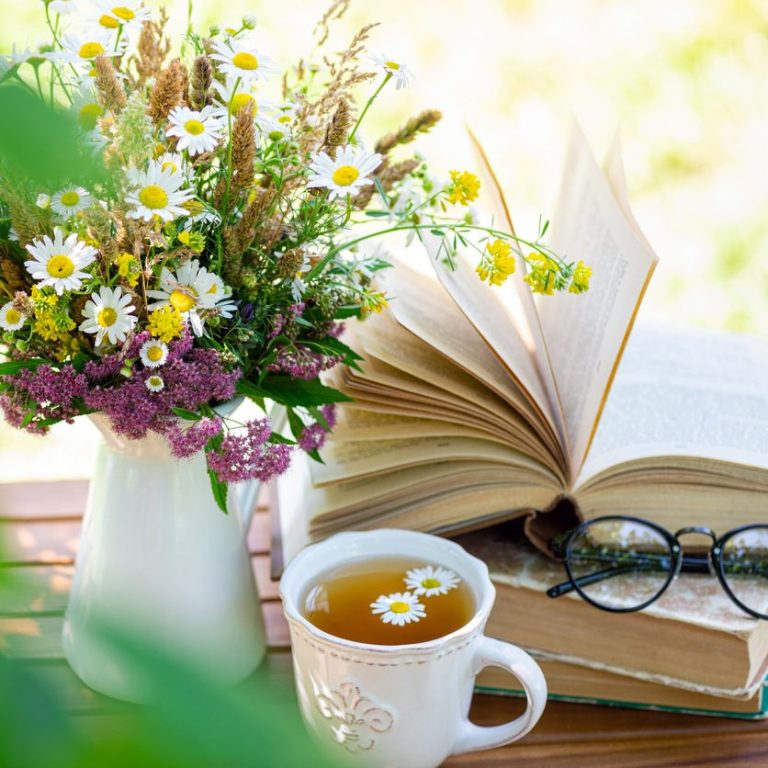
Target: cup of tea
{"type": "Point", "coordinates": [387, 638]}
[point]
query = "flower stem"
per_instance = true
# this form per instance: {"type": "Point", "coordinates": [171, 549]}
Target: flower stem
{"type": "Point", "coordinates": [368, 104]}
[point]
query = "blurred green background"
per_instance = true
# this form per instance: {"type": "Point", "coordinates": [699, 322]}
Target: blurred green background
{"type": "Point", "coordinates": [685, 82]}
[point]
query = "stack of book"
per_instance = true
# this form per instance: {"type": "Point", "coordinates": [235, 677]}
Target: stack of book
{"type": "Point", "coordinates": [477, 406]}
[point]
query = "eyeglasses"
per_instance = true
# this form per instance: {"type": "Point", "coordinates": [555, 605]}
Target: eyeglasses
{"type": "Point", "coordinates": [623, 564]}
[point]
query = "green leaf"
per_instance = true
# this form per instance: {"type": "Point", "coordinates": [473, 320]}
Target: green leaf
{"type": "Point", "coordinates": [28, 417]}
{"type": "Point", "coordinates": [377, 214]}
{"type": "Point", "coordinates": [183, 413]}
{"type": "Point", "coordinates": [295, 423]}
{"type": "Point", "coordinates": [380, 189]}
{"type": "Point", "coordinates": [317, 415]}
{"type": "Point", "coordinates": [276, 437]}
{"type": "Point", "coordinates": [252, 392]}
{"type": "Point", "coordinates": [297, 392]}
{"type": "Point", "coordinates": [438, 232]}
{"type": "Point", "coordinates": [350, 310]}
{"type": "Point", "coordinates": [14, 366]}
{"type": "Point", "coordinates": [219, 490]}
{"type": "Point", "coordinates": [316, 456]}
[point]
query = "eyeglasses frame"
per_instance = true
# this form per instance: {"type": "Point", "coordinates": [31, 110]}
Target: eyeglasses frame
{"type": "Point", "coordinates": [713, 560]}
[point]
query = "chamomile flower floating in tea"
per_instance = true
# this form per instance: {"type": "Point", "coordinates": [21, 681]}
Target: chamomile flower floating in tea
{"type": "Point", "coordinates": [11, 318]}
{"type": "Point", "coordinates": [153, 353]}
{"type": "Point", "coordinates": [59, 262]}
{"type": "Point", "coordinates": [398, 609]}
{"type": "Point", "coordinates": [345, 173]}
{"type": "Point", "coordinates": [109, 314]}
{"type": "Point", "coordinates": [198, 131]}
{"type": "Point", "coordinates": [431, 580]}
{"type": "Point", "coordinates": [71, 200]}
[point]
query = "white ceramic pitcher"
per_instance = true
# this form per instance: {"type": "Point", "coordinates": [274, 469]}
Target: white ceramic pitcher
{"type": "Point", "coordinates": [158, 557]}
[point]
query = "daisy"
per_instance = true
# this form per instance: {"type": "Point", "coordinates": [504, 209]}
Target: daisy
{"type": "Point", "coordinates": [153, 353]}
{"type": "Point", "coordinates": [171, 161]}
{"type": "Point", "coordinates": [235, 94]}
{"type": "Point", "coordinates": [186, 291]}
{"type": "Point", "coordinates": [108, 313]}
{"type": "Point", "coordinates": [15, 58]}
{"type": "Point", "coordinates": [86, 108]}
{"type": "Point", "coordinates": [80, 49]}
{"type": "Point", "coordinates": [157, 192]}
{"type": "Point", "coordinates": [344, 174]}
{"type": "Point", "coordinates": [59, 262]}
{"type": "Point", "coordinates": [155, 383]}
{"type": "Point", "coordinates": [238, 59]}
{"type": "Point", "coordinates": [219, 294]}
{"type": "Point", "coordinates": [10, 318]}
{"type": "Point", "coordinates": [71, 200]}
{"type": "Point", "coordinates": [398, 609]}
{"type": "Point", "coordinates": [113, 14]}
{"type": "Point", "coordinates": [431, 580]}
{"type": "Point", "coordinates": [197, 132]}
{"type": "Point", "coordinates": [278, 124]}
{"type": "Point", "coordinates": [399, 71]}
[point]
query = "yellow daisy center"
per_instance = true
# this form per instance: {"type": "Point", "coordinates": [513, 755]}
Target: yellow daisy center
{"type": "Point", "coordinates": [399, 606]}
{"type": "Point", "coordinates": [284, 119]}
{"type": "Point", "coordinates": [430, 583]}
{"type": "Point", "coordinates": [182, 301]}
{"type": "Point", "coordinates": [89, 114]}
{"type": "Point", "coordinates": [153, 197]}
{"type": "Point", "coordinates": [245, 60]}
{"type": "Point", "coordinates": [126, 14]}
{"type": "Point", "coordinates": [391, 65]}
{"type": "Point", "coordinates": [155, 353]}
{"type": "Point", "coordinates": [240, 100]}
{"type": "Point", "coordinates": [70, 198]}
{"type": "Point", "coordinates": [60, 265]}
{"type": "Point", "coordinates": [195, 127]}
{"type": "Point", "coordinates": [275, 135]}
{"type": "Point", "coordinates": [169, 166]}
{"type": "Point", "coordinates": [106, 317]}
{"type": "Point", "coordinates": [90, 50]}
{"type": "Point", "coordinates": [345, 175]}
{"type": "Point", "coordinates": [12, 316]}
{"type": "Point", "coordinates": [110, 22]}
{"type": "Point", "coordinates": [155, 381]}
{"type": "Point", "coordinates": [213, 289]}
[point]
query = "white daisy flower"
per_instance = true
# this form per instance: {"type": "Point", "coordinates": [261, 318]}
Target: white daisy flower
{"type": "Point", "coordinates": [153, 353]}
{"type": "Point", "coordinates": [15, 58]}
{"type": "Point", "coordinates": [277, 124]}
{"type": "Point", "coordinates": [43, 201]}
{"type": "Point", "coordinates": [13, 234]}
{"type": "Point", "coordinates": [113, 14]}
{"type": "Point", "coordinates": [71, 200]}
{"type": "Point", "coordinates": [62, 7]}
{"type": "Point", "coordinates": [237, 93]}
{"type": "Point", "coordinates": [87, 108]}
{"type": "Point", "coordinates": [399, 71]}
{"type": "Point", "coordinates": [197, 132]}
{"type": "Point", "coordinates": [157, 192]}
{"type": "Point", "coordinates": [186, 291]}
{"type": "Point", "coordinates": [344, 174]}
{"type": "Point", "coordinates": [59, 262]}
{"type": "Point", "coordinates": [171, 161]}
{"type": "Point", "coordinates": [108, 313]}
{"type": "Point", "coordinates": [219, 294]}
{"type": "Point", "coordinates": [431, 580]}
{"type": "Point", "coordinates": [398, 609]}
{"type": "Point", "coordinates": [10, 318]}
{"type": "Point", "coordinates": [155, 383]}
{"type": "Point", "coordinates": [81, 48]}
{"type": "Point", "coordinates": [239, 59]}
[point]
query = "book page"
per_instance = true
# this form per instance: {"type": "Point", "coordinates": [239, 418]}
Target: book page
{"type": "Point", "coordinates": [586, 333]}
{"type": "Point", "coordinates": [688, 392]}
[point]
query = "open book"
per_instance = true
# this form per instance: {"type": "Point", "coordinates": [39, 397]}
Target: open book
{"type": "Point", "coordinates": [476, 404]}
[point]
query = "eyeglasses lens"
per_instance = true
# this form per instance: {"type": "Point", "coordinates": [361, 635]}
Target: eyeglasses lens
{"type": "Point", "coordinates": [620, 564]}
{"type": "Point", "coordinates": [745, 567]}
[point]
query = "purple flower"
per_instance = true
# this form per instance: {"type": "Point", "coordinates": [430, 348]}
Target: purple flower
{"type": "Point", "coordinates": [302, 363]}
{"type": "Point", "coordinates": [250, 456]}
{"type": "Point", "coordinates": [187, 442]}
{"type": "Point", "coordinates": [314, 436]}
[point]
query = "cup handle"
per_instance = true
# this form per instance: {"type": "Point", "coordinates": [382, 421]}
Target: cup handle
{"type": "Point", "coordinates": [494, 653]}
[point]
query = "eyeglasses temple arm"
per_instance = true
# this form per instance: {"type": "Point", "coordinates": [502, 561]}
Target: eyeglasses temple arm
{"type": "Point", "coordinates": [566, 587]}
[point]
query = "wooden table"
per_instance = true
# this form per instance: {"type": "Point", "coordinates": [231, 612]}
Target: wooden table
{"type": "Point", "coordinates": [41, 525]}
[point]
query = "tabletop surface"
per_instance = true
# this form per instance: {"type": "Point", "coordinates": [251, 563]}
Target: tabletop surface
{"type": "Point", "coordinates": [40, 524]}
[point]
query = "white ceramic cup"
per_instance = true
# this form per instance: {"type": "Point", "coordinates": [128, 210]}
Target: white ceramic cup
{"type": "Point", "coordinates": [401, 706]}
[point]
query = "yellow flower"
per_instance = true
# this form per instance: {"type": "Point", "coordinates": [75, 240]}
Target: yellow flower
{"type": "Point", "coordinates": [498, 264]}
{"type": "Point", "coordinates": [193, 240]}
{"type": "Point", "coordinates": [581, 275]}
{"type": "Point", "coordinates": [372, 302]}
{"type": "Point", "coordinates": [464, 188]}
{"type": "Point", "coordinates": [51, 321]}
{"type": "Point", "coordinates": [543, 271]}
{"type": "Point", "coordinates": [128, 268]}
{"type": "Point", "coordinates": [165, 323]}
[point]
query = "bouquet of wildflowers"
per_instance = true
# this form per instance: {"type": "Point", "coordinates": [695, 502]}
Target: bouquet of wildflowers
{"type": "Point", "coordinates": [216, 254]}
